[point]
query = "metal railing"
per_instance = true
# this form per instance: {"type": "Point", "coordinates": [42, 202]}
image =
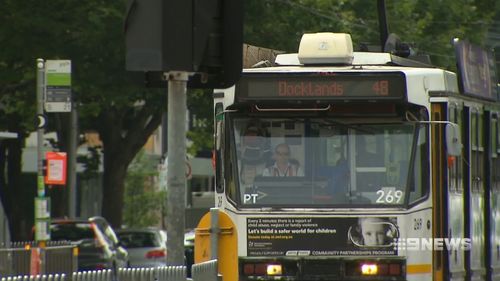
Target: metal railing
{"type": "Point", "coordinates": [15, 258]}
{"type": "Point", "coordinates": [96, 275]}
{"type": "Point", "coordinates": [18, 258]}
{"type": "Point", "coordinates": [206, 271]}
{"type": "Point", "coordinates": [164, 273]}
{"type": "Point", "coordinates": [50, 277]}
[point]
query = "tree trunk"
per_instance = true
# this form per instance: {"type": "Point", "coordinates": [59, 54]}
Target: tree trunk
{"type": "Point", "coordinates": [113, 189]}
{"type": "Point", "coordinates": [123, 136]}
{"type": "Point", "coordinates": [18, 197]}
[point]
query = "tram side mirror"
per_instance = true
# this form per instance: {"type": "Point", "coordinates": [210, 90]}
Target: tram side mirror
{"type": "Point", "coordinates": [453, 140]}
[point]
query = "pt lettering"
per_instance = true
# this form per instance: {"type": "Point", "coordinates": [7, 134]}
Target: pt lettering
{"type": "Point", "coordinates": [250, 198]}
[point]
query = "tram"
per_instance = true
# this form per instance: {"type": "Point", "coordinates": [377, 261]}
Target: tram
{"type": "Point", "coordinates": [342, 165]}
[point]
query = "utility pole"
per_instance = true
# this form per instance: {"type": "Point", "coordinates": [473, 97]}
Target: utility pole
{"type": "Point", "coordinates": [72, 154]}
{"type": "Point", "coordinates": [382, 20]}
{"type": "Point", "coordinates": [163, 163]}
{"type": "Point", "coordinates": [176, 173]}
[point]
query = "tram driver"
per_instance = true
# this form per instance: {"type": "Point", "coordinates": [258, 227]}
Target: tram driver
{"type": "Point", "coordinates": [284, 165]}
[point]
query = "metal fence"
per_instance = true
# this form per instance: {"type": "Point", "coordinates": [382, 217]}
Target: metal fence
{"type": "Point", "coordinates": [97, 275]}
{"type": "Point", "coordinates": [206, 271]}
{"type": "Point", "coordinates": [19, 258]}
{"type": "Point", "coordinates": [164, 273]}
{"type": "Point", "coordinates": [14, 260]}
{"type": "Point", "coordinates": [50, 277]}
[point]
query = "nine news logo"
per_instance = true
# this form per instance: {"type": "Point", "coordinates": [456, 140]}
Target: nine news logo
{"type": "Point", "coordinates": [432, 244]}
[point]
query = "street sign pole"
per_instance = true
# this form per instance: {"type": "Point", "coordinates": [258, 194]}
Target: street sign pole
{"type": "Point", "coordinates": [176, 173]}
{"type": "Point", "coordinates": [72, 149]}
{"type": "Point", "coordinates": [42, 204]}
{"type": "Point", "coordinates": [40, 83]}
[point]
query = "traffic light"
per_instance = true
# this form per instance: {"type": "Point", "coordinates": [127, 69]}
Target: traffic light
{"type": "Point", "coordinates": [218, 43]}
{"type": "Point", "coordinates": [204, 37]}
{"type": "Point", "coordinates": [158, 35]}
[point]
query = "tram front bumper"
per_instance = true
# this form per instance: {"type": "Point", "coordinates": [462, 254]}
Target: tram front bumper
{"type": "Point", "coordinates": [251, 269]}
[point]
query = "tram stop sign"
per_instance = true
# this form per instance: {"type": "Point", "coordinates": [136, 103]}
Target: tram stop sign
{"type": "Point", "coordinates": [57, 86]}
{"type": "Point", "coordinates": [227, 244]}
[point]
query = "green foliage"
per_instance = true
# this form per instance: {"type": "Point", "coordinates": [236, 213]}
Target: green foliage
{"type": "Point", "coordinates": [428, 25]}
{"type": "Point", "coordinates": [90, 34]}
{"type": "Point", "coordinates": [142, 202]}
{"type": "Point", "coordinates": [201, 103]}
{"type": "Point", "coordinates": [91, 162]}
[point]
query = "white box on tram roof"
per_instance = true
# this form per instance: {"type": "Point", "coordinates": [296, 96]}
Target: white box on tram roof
{"type": "Point", "coordinates": [326, 48]}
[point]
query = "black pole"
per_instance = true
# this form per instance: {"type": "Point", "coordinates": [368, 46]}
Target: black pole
{"type": "Point", "coordinates": [382, 19]}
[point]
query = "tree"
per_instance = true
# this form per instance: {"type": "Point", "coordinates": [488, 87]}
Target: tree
{"type": "Point", "coordinates": [428, 25]}
{"type": "Point", "coordinates": [112, 101]}
{"type": "Point", "coordinates": [142, 203]}
{"type": "Point", "coordinates": [123, 112]}
{"type": "Point", "coordinates": [17, 98]}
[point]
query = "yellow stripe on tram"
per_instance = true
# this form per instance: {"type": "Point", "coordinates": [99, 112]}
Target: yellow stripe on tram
{"type": "Point", "coordinates": [419, 268]}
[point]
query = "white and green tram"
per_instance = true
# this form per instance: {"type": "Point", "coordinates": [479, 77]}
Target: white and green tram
{"type": "Point", "coordinates": [342, 165]}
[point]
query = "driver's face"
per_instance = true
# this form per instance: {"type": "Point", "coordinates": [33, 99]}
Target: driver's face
{"type": "Point", "coordinates": [282, 153]}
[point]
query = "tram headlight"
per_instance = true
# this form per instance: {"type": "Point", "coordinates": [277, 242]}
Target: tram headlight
{"type": "Point", "coordinates": [274, 269]}
{"type": "Point", "coordinates": [369, 269]}
{"type": "Point", "coordinates": [375, 268]}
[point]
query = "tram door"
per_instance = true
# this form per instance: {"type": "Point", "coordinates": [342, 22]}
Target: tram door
{"type": "Point", "coordinates": [474, 191]}
{"type": "Point", "coordinates": [494, 199]}
{"type": "Point", "coordinates": [455, 203]}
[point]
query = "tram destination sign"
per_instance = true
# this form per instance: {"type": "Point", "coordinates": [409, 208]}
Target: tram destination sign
{"type": "Point", "coordinates": [476, 66]}
{"type": "Point", "coordinates": [322, 86]}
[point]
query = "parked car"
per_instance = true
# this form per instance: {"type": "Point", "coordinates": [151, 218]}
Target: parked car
{"type": "Point", "coordinates": [147, 247]}
{"type": "Point", "coordinates": [98, 245]}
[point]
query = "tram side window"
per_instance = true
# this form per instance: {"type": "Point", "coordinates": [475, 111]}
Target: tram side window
{"type": "Point", "coordinates": [477, 151]}
{"type": "Point", "coordinates": [453, 165]}
{"type": "Point", "coordinates": [219, 108]}
{"type": "Point", "coordinates": [418, 181]}
{"type": "Point", "coordinates": [460, 174]}
{"type": "Point", "coordinates": [494, 149]}
{"type": "Point", "coordinates": [228, 173]}
{"type": "Point", "coordinates": [496, 159]}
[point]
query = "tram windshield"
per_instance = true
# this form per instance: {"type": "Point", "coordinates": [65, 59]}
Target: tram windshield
{"type": "Point", "coordinates": [286, 162]}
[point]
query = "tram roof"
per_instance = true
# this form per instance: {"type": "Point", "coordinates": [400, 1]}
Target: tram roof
{"type": "Point", "coordinates": [360, 59]}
